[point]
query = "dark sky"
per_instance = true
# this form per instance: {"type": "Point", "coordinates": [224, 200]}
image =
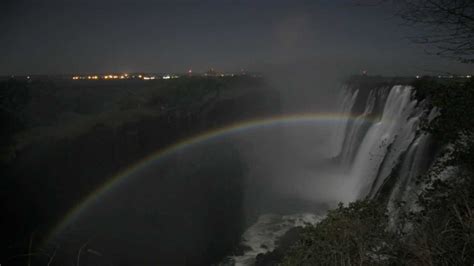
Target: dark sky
{"type": "Point", "coordinates": [48, 37]}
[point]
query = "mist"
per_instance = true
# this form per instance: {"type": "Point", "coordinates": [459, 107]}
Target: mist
{"type": "Point", "coordinates": [202, 132]}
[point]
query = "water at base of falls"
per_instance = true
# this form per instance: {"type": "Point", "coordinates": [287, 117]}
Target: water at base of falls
{"type": "Point", "coordinates": [262, 236]}
{"type": "Point", "coordinates": [367, 151]}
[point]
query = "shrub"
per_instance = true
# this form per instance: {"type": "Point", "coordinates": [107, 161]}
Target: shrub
{"type": "Point", "coordinates": [442, 233]}
{"type": "Point", "coordinates": [350, 235]}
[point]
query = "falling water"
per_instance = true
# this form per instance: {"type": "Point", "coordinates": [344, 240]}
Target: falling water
{"type": "Point", "coordinates": [356, 130]}
{"type": "Point", "coordinates": [372, 153]}
{"type": "Point", "coordinates": [340, 129]}
{"type": "Point", "coordinates": [380, 142]}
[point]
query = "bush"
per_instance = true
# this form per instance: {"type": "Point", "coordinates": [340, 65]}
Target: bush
{"type": "Point", "coordinates": [442, 233]}
{"type": "Point", "coordinates": [455, 123]}
{"type": "Point", "coordinates": [350, 235]}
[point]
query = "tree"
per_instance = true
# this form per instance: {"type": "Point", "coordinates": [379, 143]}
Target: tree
{"type": "Point", "coordinates": [449, 23]}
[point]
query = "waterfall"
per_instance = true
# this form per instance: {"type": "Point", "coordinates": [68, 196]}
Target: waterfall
{"type": "Point", "coordinates": [340, 129]}
{"type": "Point", "coordinates": [357, 128]}
{"type": "Point", "coordinates": [373, 147]}
{"type": "Point", "coordinates": [405, 188]}
{"type": "Point", "coordinates": [377, 146]}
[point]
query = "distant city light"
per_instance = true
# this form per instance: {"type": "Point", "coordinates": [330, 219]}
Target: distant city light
{"type": "Point", "coordinates": [137, 76]}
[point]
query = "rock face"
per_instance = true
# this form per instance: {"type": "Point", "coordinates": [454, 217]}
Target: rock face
{"type": "Point", "coordinates": [380, 145]}
{"type": "Point", "coordinates": [58, 164]}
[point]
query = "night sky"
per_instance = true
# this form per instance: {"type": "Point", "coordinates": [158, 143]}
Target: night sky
{"type": "Point", "coordinates": [82, 36]}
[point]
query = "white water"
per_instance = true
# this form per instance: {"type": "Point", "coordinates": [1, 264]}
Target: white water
{"type": "Point", "coordinates": [382, 146]}
{"type": "Point", "coordinates": [369, 148]}
{"type": "Point", "coordinates": [340, 129]}
{"type": "Point", "coordinates": [405, 188]}
{"type": "Point", "coordinates": [352, 139]}
{"type": "Point", "coordinates": [262, 236]}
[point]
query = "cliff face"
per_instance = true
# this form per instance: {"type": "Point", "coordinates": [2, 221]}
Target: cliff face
{"type": "Point", "coordinates": [198, 195]}
{"type": "Point", "coordinates": [382, 150]}
{"type": "Point", "coordinates": [383, 147]}
{"type": "Point", "coordinates": [428, 192]}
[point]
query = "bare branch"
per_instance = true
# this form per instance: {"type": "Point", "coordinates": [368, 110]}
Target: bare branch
{"type": "Point", "coordinates": [450, 26]}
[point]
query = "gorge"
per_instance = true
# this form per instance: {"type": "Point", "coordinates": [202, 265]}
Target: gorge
{"type": "Point", "coordinates": [255, 172]}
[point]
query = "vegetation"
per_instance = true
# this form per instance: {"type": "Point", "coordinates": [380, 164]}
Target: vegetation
{"type": "Point", "coordinates": [446, 224]}
{"type": "Point", "coordinates": [442, 232]}
{"type": "Point", "coordinates": [455, 123]}
{"type": "Point", "coordinates": [353, 235]}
